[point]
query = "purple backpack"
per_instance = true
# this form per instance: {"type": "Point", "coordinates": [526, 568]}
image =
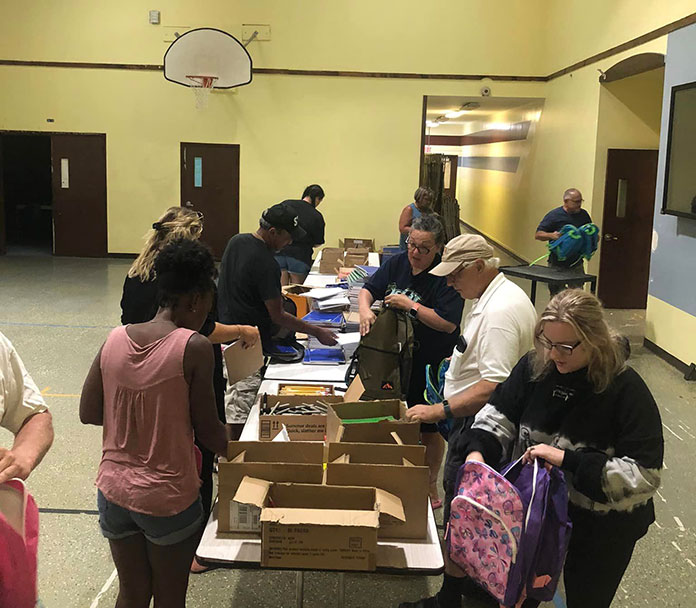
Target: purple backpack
{"type": "Point", "coordinates": [509, 532]}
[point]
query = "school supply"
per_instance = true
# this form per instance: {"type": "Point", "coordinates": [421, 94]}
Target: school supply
{"type": "Point", "coordinates": [509, 531]}
{"type": "Point", "coordinates": [384, 356]}
{"type": "Point", "coordinates": [19, 532]}
{"type": "Point", "coordinates": [574, 245]}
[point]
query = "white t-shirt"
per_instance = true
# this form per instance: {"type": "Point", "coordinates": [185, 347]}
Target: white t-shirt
{"type": "Point", "coordinates": [19, 396]}
{"type": "Point", "coordinates": [498, 331]}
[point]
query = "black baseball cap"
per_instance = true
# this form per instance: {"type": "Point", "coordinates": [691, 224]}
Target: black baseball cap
{"type": "Point", "coordinates": [283, 216]}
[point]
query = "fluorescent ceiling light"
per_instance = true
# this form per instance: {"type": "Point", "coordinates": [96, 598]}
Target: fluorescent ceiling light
{"type": "Point", "coordinates": [455, 113]}
{"type": "Point", "coordinates": [432, 123]}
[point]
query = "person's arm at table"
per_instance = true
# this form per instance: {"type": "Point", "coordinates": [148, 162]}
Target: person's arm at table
{"type": "Point", "coordinates": [466, 403]}
{"type": "Point", "coordinates": [248, 334]}
{"type": "Point", "coordinates": [284, 319]}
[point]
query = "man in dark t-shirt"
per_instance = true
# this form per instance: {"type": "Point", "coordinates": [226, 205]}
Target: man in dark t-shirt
{"type": "Point", "coordinates": [549, 229]}
{"type": "Point", "coordinates": [295, 260]}
{"type": "Point", "coordinates": [249, 286]}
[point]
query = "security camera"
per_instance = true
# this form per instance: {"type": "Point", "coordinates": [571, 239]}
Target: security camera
{"type": "Point", "coordinates": [485, 91]}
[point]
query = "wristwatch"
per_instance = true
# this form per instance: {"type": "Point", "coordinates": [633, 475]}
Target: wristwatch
{"type": "Point", "coordinates": [413, 312]}
{"type": "Point", "coordinates": [447, 408]}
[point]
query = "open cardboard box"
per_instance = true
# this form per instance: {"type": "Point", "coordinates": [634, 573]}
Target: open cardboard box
{"type": "Point", "coordinates": [331, 260]}
{"type": "Point", "coordinates": [398, 469]}
{"type": "Point", "coordinates": [309, 427]}
{"type": "Point", "coordinates": [323, 527]}
{"type": "Point", "coordinates": [295, 461]}
{"type": "Point", "coordinates": [377, 432]}
{"type": "Point", "coordinates": [350, 243]}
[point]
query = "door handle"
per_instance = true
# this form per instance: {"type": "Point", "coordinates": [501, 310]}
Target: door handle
{"type": "Point", "coordinates": [610, 237]}
{"type": "Point", "coordinates": [188, 204]}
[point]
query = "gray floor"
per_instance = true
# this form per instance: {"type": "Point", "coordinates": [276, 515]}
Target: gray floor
{"type": "Point", "coordinates": [58, 311]}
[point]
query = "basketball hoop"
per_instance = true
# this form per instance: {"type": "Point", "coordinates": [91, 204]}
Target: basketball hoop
{"type": "Point", "coordinates": [202, 86]}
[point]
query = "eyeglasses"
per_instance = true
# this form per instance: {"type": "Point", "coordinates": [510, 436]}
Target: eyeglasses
{"type": "Point", "coordinates": [419, 248]}
{"type": "Point", "coordinates": [199, 214]}
{"type": "Point", "coordinates": [562, 349]}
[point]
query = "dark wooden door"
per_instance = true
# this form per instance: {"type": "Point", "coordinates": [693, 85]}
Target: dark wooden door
{"type": "Point", "coordinates": [629, 203]}
{"type": "Point", "coordinates": [3, 220]}
{"type": "Point", "coordinates": [78, 164]}
{"type": "Point", "coordinates": [210, 184]}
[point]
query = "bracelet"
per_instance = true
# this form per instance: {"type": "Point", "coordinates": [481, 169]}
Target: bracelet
{"type": "Point", "coordinates": [447, 408]}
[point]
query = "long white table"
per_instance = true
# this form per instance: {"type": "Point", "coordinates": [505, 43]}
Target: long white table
{"type": "Point", "coordinates": [236, 550]}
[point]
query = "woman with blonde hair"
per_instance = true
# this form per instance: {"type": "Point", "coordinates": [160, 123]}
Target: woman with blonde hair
{"type": "Point", "coordinates": [575, 404]}
{"type": "Point", "coordinates": [139, 304]}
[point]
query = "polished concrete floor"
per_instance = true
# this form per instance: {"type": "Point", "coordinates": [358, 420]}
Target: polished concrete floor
{"type": "Point", "coordinates": [58, 311]}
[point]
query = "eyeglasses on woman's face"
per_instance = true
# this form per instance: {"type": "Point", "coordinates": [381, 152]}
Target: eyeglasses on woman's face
{"type": "Point", "coordinates": [422, 249]}
{"type": "Point", "coordinates": [565, 350]}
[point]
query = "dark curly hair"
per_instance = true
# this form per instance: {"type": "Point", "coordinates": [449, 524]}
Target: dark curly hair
{"type": "Point", "coordinates": [184, 267]}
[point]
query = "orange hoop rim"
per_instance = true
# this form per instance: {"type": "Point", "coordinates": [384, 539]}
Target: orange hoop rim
{"type": "Point", "coordinates": [203, 82]}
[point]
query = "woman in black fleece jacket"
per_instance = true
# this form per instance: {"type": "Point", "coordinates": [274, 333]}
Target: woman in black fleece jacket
{"type": "Point", "coordinates": [576, 405]}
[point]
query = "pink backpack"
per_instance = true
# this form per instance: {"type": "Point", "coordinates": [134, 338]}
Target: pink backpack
{"type": "Point", "coordinates": [509, 532]}
{"type": "Point", "coordinates": [19, 535]}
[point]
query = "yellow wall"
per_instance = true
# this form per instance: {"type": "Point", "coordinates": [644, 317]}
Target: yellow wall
{"type": "Point", "coordinates": [671, 329]}
{"type": "Point", "coordinates": [359, 138]}
{"type": "Point", "coordinates": [629, 117]}
{"type": "Point", "coordinates": [389, 35]}
{"type": "Point", "coordinates": [577, 29]}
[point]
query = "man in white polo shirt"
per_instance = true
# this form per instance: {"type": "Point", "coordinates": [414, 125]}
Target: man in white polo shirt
{"type": "Point", "coordinates": [497, 332]}
{"type": "Point", "coordinates": [23, 411]}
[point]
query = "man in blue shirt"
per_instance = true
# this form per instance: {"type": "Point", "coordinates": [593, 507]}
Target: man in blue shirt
{"type": "Point", "coordinates": [549, 229]}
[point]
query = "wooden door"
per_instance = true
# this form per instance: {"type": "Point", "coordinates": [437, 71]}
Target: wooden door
{"type": "Point", "coordinates": [78, 164]}
{"type": "Point", "coordinates": [210, 184]}
{"type": "Point", "coordinates": [3, 219]}
{"type": "Point", "coordinates": [629, 203]}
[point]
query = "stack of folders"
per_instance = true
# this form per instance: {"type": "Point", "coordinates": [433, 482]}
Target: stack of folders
{"type": "Point", "coordinates": [328, 299]}
{"type": "Point", "coordinates": [318, 353]}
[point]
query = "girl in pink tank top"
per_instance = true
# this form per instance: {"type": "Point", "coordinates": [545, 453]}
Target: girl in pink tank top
{"type": "Point", "coordinates": [151, 387]}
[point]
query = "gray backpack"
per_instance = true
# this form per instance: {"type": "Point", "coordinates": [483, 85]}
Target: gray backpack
{"type": "Point", "coordinates": [384, 357]}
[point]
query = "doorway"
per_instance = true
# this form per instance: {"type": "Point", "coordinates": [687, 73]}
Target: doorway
{"type": "Point", "coordinates": [210, 184]}
{"type": "Point", "coordinates": [26, 195]}
{"type": "Point", "coordinates": [53, 194]}
{"type": "Point", "coordinates": [629, 200]}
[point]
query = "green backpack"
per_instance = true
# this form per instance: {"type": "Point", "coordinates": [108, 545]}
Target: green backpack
{"type": "Point", "coordinates": [384, 356]}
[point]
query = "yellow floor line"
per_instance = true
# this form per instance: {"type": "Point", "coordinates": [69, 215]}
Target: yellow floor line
{"type": "Point", "coordinates": [65, 395]}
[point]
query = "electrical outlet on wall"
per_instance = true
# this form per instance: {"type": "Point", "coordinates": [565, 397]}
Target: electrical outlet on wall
{"type": "Point", "coordinates": [154, 17]}
{"type": "Point", "coordinates": [248, 29]}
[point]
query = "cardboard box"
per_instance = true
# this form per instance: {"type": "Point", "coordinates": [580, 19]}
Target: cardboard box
{"type": "Point", "coordinates": [311, 427]}
{"type": "Point", "coordinates": [331, 260]}
{"type": "Point", "coordinates": [355, 257]}
{"type": "Point", "coordinates": [279, 461]}
{"type": "Point", "coordinates": [377, 432]}
{"type": "Point", "coordinates": [322, 527]}
{"type": "Point", "coordinates": [294, 293]}
{"type": "Point", "coordinates": [347, 243]}
{"type": "Point", "coordinates": [398, 469]}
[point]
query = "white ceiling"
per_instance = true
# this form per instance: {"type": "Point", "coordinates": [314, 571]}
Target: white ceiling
{"type": "Point", "coordinates": [438, 105]}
